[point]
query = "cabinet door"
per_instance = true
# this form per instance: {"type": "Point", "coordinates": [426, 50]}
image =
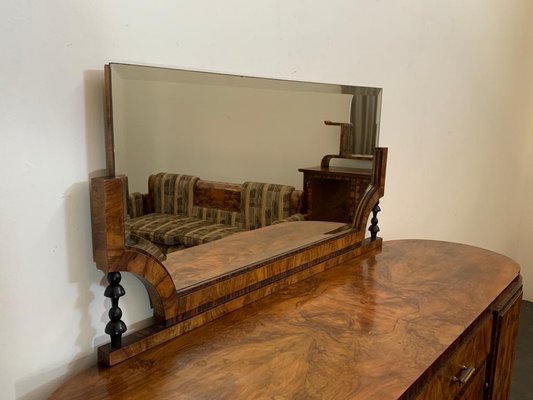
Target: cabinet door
{"type": "Point", "coordinates": [506, 319]}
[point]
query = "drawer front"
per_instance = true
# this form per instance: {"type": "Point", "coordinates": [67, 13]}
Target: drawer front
{"type": "Point", "coordinates": [464, 364]}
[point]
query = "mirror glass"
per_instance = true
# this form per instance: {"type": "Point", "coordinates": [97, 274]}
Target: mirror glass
{"type": "Point", "coordinates": [233, 129]}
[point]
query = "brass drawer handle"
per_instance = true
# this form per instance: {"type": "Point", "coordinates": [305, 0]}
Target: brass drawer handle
{"type": "Point", "coordinates": [465, 374]}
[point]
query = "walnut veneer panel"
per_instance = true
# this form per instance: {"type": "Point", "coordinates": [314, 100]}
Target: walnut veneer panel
{"type": "Point", "coordinates": [107, 213]}
{"type": "Point", "coordinates": [196, 265]}
{"type": "Point", "coordinates": [473, 353]}
{"type": "Point", "coordinates": [507, 324]}
{"type": "Point", "coordinates": [474, 391]}
{"type": "Point", "coordinates": [375, 327]}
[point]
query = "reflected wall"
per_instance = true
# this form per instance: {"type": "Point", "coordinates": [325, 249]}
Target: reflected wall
{"type": "Point", "coordinates": [229, 128]}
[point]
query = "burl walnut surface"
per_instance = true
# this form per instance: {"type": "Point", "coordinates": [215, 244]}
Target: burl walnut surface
{"type": "Point", "coordinates": [366, 329]}
{"type": "Point", "coordinates": [215, 259]}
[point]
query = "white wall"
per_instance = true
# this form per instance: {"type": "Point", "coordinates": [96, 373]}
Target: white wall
{"type": "Point", "coordinates": [457, 117]}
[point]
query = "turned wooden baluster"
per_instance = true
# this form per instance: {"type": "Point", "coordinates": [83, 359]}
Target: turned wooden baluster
{"type": "Point", "coordinates": [115, 327]}
{"type": "Point", "coordinates": [374, 228]}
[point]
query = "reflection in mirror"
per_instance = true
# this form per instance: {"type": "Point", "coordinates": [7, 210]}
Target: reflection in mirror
{"type": "Point", "coordinates": [232, 128]}
{"type": "Point", "coordinates": [227, 130]}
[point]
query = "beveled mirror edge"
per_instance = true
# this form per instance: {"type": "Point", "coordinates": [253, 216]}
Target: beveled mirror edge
{"type": "Point", "coordinates": [108, 117]}
{"type": "Point", "coordinates": [112, 255]}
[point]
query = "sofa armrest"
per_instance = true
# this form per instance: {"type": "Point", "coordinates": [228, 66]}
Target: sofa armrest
{"type": "Point", "coordinates": [136, 205]}
{"type": "Point", "coordinates": [292, 218]}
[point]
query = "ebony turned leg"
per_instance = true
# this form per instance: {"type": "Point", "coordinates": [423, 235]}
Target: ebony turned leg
{"type": "Point", "coordinates": [374, 228]}
{"type": "Point", "coordinates": [115, 327]}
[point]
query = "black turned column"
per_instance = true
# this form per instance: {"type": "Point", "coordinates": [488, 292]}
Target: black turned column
{"type": "Point", "coordinates": [115, 327]}
{"type": "Point", "coordinates": [374, 228]}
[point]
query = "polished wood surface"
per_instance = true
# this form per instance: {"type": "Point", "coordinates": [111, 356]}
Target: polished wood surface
{"type": "Point", "coordinates": [506, 315]}
{"type": "Point", "coordinates": [107, 214]}
{"type": "Point", "coordinates": [197, 265]}
{"type": "Point", "coordinates": [379, 326]}
{"type": "Point", "coordinates": [471, 355]}
{"type": "Point", "coordinates": [220, 195]}
{"type": "Point", "coordinates": [245, 278]}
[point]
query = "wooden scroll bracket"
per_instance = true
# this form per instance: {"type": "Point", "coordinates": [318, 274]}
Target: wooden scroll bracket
{"type": "Point", "coordinates": [346, 145]}
{"type": "Point", "coordinates": [112, 255]}
{"type": "Point", "coordinates": [370, 201]}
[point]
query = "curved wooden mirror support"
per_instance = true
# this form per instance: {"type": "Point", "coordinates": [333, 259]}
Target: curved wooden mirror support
{"type": "Point", "coordinates": [254, 252]}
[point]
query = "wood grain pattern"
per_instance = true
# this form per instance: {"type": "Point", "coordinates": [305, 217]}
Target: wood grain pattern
{"type": "Point", "coordinates": [249, 264]}
{"type": "Point", "coordinates": [195, 266]}
{"type": "Point", "coordinates": [475, 391]}
{"type": "Point", "coordinates": [220, 195]}
{"type": "Point", "coordinates": [208, 278]}
{"type": "Point", "coordinates": [150, 337]}
{"type": "Point", "coordinates": [236, 278]}
{"type": "Point", "coordinates": [107, 214]}
{"type": "Point", "coordinates": [473, 353]}
{"type": "Point", "coordinates": [369, 328]}
{"type": "Point", "coordinates": [155, 278]}
{"type": "Point", "coordinates": [507, 315]}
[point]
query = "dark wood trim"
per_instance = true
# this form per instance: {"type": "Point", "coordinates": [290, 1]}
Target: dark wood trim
{"type": "Point", "coordinates": [374, 192]}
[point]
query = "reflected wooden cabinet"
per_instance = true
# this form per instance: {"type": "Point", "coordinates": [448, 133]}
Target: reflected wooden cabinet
{"type": "Point", "coordinates": [332, 194]}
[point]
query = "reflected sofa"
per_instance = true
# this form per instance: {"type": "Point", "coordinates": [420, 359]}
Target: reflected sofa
{"type": "Point", "coordinates": [181, 211]}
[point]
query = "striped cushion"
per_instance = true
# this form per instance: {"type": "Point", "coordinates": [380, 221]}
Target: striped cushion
{"type": "Point", "coordinates": [135, 205]}
{"type": "Point", "coordinates": [231, 218]}
{"type": "Point", "coordinates": [264, 203]}
{"type": "Point", "coordinates": [208, 233]}
{"type": "Point", "coordinates": [163, 228]}
{"type": "Point", "coordinates": [173, 193]}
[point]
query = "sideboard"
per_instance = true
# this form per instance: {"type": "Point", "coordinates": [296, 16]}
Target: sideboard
{"type": "Point", "coordinates": [414, 319]}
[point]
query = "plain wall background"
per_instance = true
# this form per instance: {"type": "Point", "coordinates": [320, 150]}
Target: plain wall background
{"type": "Point", "coordinates": [457, 117]}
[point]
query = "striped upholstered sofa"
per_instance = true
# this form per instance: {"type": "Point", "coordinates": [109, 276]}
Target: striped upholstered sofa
{"type": "Point", "coordinates": [170, 217]}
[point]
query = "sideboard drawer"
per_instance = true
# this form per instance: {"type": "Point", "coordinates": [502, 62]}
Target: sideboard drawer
{"type": "Point", "coordinates": [462, 368]}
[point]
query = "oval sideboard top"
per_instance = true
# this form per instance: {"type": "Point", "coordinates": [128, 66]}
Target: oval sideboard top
{"type": "Point", "coordinates": [368, 328]}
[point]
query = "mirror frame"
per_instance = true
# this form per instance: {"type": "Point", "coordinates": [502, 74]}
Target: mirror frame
{"type": "Point", "coordinates": [112, 255]}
